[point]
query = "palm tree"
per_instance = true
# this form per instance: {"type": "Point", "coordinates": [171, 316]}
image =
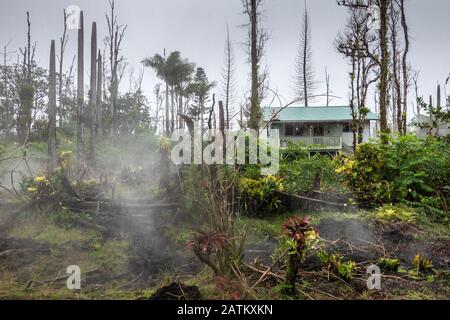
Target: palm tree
{"type": "Point", "coordinates": [176, 74]}
{"type": "Point", "coordinates": [179, 72]}
{"type": "Point", "coordinates": [159, 64]}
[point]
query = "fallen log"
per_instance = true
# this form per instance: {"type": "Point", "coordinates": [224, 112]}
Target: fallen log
{"type": "Point", "coordinates": [334, 204]}
{"type": "Point", "coordinates": [11, 251]}
{"type": "Point", "coordinates": [147, 206]}
{"type": "Point", "coordinates": [113, 205]}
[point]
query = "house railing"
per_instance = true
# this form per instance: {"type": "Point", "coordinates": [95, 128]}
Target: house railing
{"type": "Point", "coordinates": [319, 143]}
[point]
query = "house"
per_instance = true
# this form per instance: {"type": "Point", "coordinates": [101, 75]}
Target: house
{"type": "Point", "coordinates": [323, 129]}
{"type": "Point", "coordinates": [442, 130]}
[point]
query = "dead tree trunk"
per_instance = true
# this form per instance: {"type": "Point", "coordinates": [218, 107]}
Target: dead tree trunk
{"type": "Point", "coordinates": [405, 64]}
{"type": "Point", "coordinates": [116, 33]}
{"type": "Point", "coordinates": [256, 44]}
{"type": "Point", "coordinates": [93, 95]}
{"type": "Point", "coordinates": [384, 65]}
{"type": "Point", "coordinates": [99, 116]}
{"type": "Point", "coordinates": [80, 90]}
{"type": "Point", "coordinates": [63, 43]}
{"type": "Point", "coordinates": [396, 86]}
{"type": "Point", "coordinates": [53, 159]}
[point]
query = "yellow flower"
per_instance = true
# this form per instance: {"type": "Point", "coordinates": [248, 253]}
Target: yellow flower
{"type": "Point", "coordinates": [32, 189]}
{"type": "Point", "coordinates": [40, 179]}
{"type": "Point", "coordinates": [310, 235]}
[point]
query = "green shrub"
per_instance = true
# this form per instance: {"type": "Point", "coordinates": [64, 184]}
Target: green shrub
{"type": "Point", "coordinates": [422, 264]}
{"type": "Point", "coordinates": [396, 213]}
{"type": "Point", "coordinates": [389, 265]}
{"type": "Point", "coordinates": [259, 197]}
{"type": "Point", "coordinates": [299, 174]}
{"type": "Point", "coordinates": [406, 170]}
{"type": "Point", "coordinates": [334, 263]}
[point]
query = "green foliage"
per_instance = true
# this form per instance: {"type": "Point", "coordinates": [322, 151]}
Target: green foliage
{"type": "Point", "coordinates": [299, 237]}
{"type": "Point", "coordinates": [111, 256]}
{"type": "Point", "coordinates": [300, 173]}
{"type": "Point", "coordinates": [334, 263]}
{"type": "Point", "coordinates": [134, 113]}
{"type": "Point", "coordinates": [389, 265]}
{"type": "Point", "coordinates": [48, 189]}
{"type": "Point", "coordinates": [406, 170]}
{"type": "Point", "coordinates": [39, 188]}
{"type": "Point", "coordinates": [422, 264]}
{"type": "Point", "coordinates": [259, 197]}
{"type": "Point", "coordinates": [396, 213]}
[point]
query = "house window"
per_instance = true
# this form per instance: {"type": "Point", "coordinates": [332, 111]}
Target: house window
{"type": "Point", "coordinates": [289, 130]}
{"type": "Point", "coordinates": [318, 130]}
{"type": "Point", "coordinates": [347, 128]}
{"type": "Point", "coordinates": [301, 130]}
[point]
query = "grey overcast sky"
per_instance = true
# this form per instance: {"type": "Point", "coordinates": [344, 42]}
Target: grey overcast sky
{"type": "Point", "coordinates": [197, 29]}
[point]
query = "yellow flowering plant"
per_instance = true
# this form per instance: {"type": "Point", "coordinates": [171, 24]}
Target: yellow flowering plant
{"type": "Point", "coordinates": [260, 196]}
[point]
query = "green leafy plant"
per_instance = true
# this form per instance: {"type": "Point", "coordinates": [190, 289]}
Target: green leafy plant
{"type": "Point", "coordinates": [404, 170]}
{"type": "Point", "coordinates": [39, 188]}
{"type": "Point", "coordinates": [332, 262]}
{"type": "Point", "coordinates": [301, 174]}
{"type": "Point", "coordinates": [299, 237]}
{"type": "Point", "coordinates": [259, 197]}
{"type": "Point", "coordinates": [395, 213]}
{"type": "Point", "coordinates": [389, 265]}
{"type": "Point", "coordinates": [208, 247]}
{"type": "Point", "coordinates": [422, 264]}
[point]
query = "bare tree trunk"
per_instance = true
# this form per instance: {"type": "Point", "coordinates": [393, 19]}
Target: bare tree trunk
{"type": "Point", "coordinates": [352, 101]}
{"type": "Point", "coordinates": [53, 159]}
{"type": "Point", "coordinates": [167, 110]}
{"type": "Point", "coordinates": [256, 44]}
{"type": "Point", "coordinates": [116, 33]}
{"type": "Point", "coordinates": [327, 81]}
{"type": "Point", "coordinates": [254, 103]}
{"type": "Point", "coordinates": [93, 95]}
{"type": "Point", "coordinates": [63, 43]}
{"type": "Point", "coordinates": [397, 94]}
{"type": "Point", "coordinates": [405, 65]}
{"type": "Point", "coordinates": [99, 103]}
{"type": "Point", "coordinates": [80, 90]}
{"type": "Point", "coordinates": [228, 77]}
{"type": "Point", "coordinates": [384, 64]}
{"type": "Point", "coordinates": [172, 108]}
{"type": "Point", "coordinates": [27, 91]}
{"type": "Point", "coordinates": [305, 59]}
{"type": "Point", "coordinates": [9, 112]}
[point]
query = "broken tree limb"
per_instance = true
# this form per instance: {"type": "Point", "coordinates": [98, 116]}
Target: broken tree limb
{"type": "Point", "coordinates": [10, 251]}
{"type": "Point", "coordinates": [334, 204]}
{"type": "Point", "coordinates": [59, 278]}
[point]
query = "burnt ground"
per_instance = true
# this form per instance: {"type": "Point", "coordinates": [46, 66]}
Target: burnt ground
{"type": "Point", "coordinates": [133, 255]}
{"type": "Point", "coordinates": [365, 241]}
{"type": "Point", "coordinates": [361, 241]}
{"type": "Point", "coordinates": [36, 266]}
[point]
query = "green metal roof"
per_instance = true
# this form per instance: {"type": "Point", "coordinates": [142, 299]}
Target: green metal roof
{"type": "Point", "coordinates": [312, 114]}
